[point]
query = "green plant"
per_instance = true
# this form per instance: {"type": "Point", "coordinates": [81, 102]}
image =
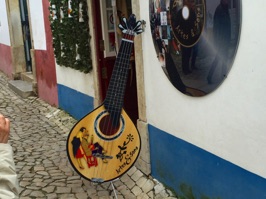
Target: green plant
{"type": "Point", "coordinates": [71, 38]}
{"type": "Point", "coordinates": [187, 193]}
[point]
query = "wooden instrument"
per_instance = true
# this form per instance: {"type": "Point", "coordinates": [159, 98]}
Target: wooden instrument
{"type": "Point", "coordinates": [105, 144]}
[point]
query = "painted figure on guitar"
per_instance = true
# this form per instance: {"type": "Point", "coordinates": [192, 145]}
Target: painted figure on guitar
{"type": "Point", "coordinates": [84, 147]}
{"type": "Point", "coordinates": [105, 144]}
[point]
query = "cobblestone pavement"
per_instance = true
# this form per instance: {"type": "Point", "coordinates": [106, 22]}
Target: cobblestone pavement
{"type": "Point", "coordinates": [38, 137]}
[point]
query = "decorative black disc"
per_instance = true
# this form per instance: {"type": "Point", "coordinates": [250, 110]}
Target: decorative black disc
{"type": "Point", "coordinates": [196, 41]}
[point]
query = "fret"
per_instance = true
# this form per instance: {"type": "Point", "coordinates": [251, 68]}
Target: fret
{"type": "Point", "coordinates": [114, 89]}
{"type": "Point", "coordinates": [115, 107]}
{"type": "Point", "coordinates": [128, 40]}
{"type": "Point", "coordinates": [116, 99]}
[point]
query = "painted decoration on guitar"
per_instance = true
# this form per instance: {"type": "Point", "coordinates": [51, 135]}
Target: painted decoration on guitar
{"type": "Point", "coordinates": [196, 41]}
{"type": "Point", "coordinates": [105, 143]}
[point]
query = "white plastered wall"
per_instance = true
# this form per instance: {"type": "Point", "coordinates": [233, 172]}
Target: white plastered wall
{"type": "Point", "coordinates": [85, 83]}
{"type": "Point", "coordinates": [37, 24]}
{"type": "Point", "coordinates": [4, 28]}
{"type": "Point", "coordinates": [75, 80]}
{"type": "Point", "coordinates": [231, 121]}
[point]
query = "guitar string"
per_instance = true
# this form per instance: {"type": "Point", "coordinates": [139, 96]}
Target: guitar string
{"type": "Point", "coordinates": [107, 127]}
{"type": "Point", "coordinates": [120, 73]}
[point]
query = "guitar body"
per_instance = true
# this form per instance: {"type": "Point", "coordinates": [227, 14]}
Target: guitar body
{"type": "Point", "coordinates": [107, 152]}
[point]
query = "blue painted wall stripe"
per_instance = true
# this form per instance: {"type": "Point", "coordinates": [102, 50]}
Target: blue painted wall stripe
{"type": "Point", "coordinates": [75, 103]}
{"type": "Point", "coordinates": [175, 162]}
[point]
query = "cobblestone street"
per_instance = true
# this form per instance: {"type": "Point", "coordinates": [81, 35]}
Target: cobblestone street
{"type": "Point", "coordinates": [38, 137]}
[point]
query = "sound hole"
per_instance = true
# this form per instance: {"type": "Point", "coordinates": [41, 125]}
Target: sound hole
{"type": "Point", "coordinates": [107, 127]}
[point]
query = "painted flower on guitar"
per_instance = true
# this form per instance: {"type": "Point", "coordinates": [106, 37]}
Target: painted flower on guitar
{"type": "Point", "coordinates": [124, 156]}
{"type": "Point", "coordinates": [130, 138]}
{"type": "Point", "coordinates": [123, 148]}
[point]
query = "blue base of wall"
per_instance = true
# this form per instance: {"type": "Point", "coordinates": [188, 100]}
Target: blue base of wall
{"type": "Point", "coordinates": [75, 103]}
{"type": "Point", "coordinates": [191, 171]}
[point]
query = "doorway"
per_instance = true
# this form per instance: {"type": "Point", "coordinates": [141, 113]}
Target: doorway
{"type": "Point", "coordinates": [26, 33]}
{"type": "Point", "coordinates": [107, 42]}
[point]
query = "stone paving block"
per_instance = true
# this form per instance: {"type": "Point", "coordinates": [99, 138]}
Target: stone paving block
{"type": "Point", "coordinates": [52, 196]}
{"type": "Point", "coordinates": [66, 196]}
{"type": "Point", "coordinates": [141, 181]}
{"type": "Point", "coordinates": [121, 187]}
{"type": "Point", "coordinates": [24, 183]}
{"type": "Point", "coordinates": [90, 191]}
{"type": "Point", "coordinates": [125, 178]}
{"type": "Point", "coordinates": [118, 197]}
{"type": "Point", "coordinates": [159, 197]}
{"type": "Point", "coordinates": [148, 186]}
{"type": "Point", "coordinates": [105, 197]}
{"type": "Point", "coordinates": [40, 184]}
{"type": "Point", "coordinates": [106, 185]}
{"type": "Point", "coordinates": [77, 189]}
{"type": "Point", "coordinates": [125, 191]}
{"type": "Point", "coordinates": [137, 175]}
{"type": "Point", "coordinates": [81, 195]}
{"type": "Point", "coordinates": [130, 196]}
{"type": "Point", "coordinates": [63, 190]}
{"type": "Point", "coordinates": [131, 171]}
{"type": "Point", "coordinates": [49, 189]}
{"type": "Point", "coordinates": [136, 190]}
{"type": "Point", "coordinates": [143, 196]}
{"type": "Point", "coordinates": [87, 183]}
{"type": "Point", "coordinates": [70, 178]}
{"type": "Point", "coordinates": [33, 188]}
{"type": "Point", "coordinates": [94, 196]}
{"type": "Point", "coordinates": [103, 193]}
{"type": "Point", "coordinates": [130, 183]}
{"type": "Point", "coordinates": [43, 173]}
{"type": "Point", "coordinates": [37, 194]}
{"type": "Point", "coordinates": [25, 193]}
{"type": "Point", "coordinates": [117, 183]}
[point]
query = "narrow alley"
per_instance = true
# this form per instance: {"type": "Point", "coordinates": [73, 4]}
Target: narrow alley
{"type": "Point", "coordinates": [38, 137]}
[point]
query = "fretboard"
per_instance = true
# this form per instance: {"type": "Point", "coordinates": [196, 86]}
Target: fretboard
{"type": "Point", "coordinates": [115, 94]}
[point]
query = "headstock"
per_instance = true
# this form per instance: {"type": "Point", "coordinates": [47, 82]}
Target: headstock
{"type": "Point", "coordinates": [130, 26]}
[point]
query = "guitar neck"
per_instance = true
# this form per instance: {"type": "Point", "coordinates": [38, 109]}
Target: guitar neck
{"type": "Point", "coordinates": [116, 90]}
